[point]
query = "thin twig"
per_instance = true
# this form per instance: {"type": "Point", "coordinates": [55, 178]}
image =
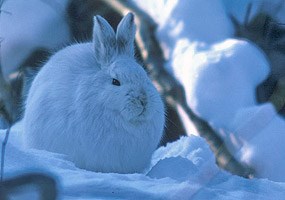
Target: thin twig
{"type": "Point", "coordinates": [3, 11]}
{"type": "Point", "coordinates": [4, 144]}
{"type": "Point", "coordinates": [247, 14]}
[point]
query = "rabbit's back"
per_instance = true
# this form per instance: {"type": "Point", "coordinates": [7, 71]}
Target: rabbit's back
{"type": "Point", "coordinates": [52, 97]}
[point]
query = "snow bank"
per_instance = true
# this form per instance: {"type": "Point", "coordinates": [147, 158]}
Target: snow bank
{"type": "Point", "coordinates": [180, 19]}
{"type": "Point", "coordinates": [221, 79]}
{"type": "Point", "coordinates": [182, 170]}
{"type": "Point", "coordinates": [26, 25]}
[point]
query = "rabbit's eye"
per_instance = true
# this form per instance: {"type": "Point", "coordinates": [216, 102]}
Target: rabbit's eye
{"type": "Point", "coordinates": [116, 82]}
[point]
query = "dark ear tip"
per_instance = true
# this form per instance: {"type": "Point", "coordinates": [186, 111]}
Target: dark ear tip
{"type": "Point", "coordinates": [131, 16]}
{"type": "Point", "coordinates": [98, 19]}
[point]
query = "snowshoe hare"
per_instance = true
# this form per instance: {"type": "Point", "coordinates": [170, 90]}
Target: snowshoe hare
{"type": "Point", "coordinates": [96, 104]}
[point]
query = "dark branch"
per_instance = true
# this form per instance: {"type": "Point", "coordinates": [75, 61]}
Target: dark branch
{"type": "Point", "coordinates": [44, 184]}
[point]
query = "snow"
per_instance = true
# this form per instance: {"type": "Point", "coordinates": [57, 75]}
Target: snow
{"type": "Point", "coordinates": [184, 169]}
{"type": "Point", "coordinates": [27, 25]}
{"type": "Point", "coordinates": [219, 80]}
{"type": "Point", "coordinates": [219, 75]}
{"type": "Point", "coordinates": [260, 131]}
{"type": "Point", "coordinates": [182, 19]}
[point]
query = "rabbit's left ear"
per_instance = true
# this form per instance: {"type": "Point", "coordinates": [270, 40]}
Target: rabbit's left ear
{"type": "Point", "coordinates": [126, 35]}
{"type": "Point", "coordinates": [104, 41]}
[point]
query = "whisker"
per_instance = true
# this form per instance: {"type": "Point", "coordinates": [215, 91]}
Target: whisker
{"type": "Point", "coordinates": [166, 117]}
{"type": "Point", "coordinates": [171, 122]}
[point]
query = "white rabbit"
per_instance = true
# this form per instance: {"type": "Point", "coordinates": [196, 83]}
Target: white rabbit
{"type": "Point", "coordinates": [96, 104]}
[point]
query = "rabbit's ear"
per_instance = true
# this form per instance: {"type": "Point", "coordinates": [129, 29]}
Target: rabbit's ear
{"type": "Point", "coordinates": [104, 41]}
{"type": "Point", "coordinates": [126, 35]}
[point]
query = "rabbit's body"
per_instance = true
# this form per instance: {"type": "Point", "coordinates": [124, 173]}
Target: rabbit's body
{"type": "Point", "coordinates": [73, 108]}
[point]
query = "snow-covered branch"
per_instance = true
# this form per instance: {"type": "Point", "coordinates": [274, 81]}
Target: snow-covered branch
{"type": "Point", "coordinates": [171, 89]}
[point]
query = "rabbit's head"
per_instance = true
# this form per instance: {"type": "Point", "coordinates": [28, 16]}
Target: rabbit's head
{"type": "Point", "coordinates": [124, 87]}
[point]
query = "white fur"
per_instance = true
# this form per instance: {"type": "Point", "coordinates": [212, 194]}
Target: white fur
{"type": "Point", "coordinates": [73, 108]}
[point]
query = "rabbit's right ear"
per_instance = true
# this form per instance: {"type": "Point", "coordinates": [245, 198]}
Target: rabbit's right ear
{"type": "Point", "coordinates": [126, 35]}
{"type": "Point", "coordinates": [104, 41]}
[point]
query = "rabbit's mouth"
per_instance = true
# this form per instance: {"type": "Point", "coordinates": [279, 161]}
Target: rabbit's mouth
{"type": "Point", "coordinates": [138, 114]}
{"type": "Point", "coordinates": [135, 113]}
{"type": "Point", "coordinates": [135, 108]}
{"type": "Point", "coordinates": [142, 112]}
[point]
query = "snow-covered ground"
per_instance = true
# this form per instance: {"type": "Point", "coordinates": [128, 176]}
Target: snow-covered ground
{"type": "Point", "coordinates": [184, 169]}
{"type": "Point", "coordinates": [219, 75]}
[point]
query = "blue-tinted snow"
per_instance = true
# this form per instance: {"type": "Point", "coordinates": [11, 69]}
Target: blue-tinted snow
{"type": "Point", "coordinates": [182, 170]}
{"type": "Point", "coordinates": [220, 75]}
{"type": "Point", "coordinates": [202, 54]}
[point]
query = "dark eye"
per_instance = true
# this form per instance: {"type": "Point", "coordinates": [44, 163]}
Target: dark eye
{"type": "Point", "coordinates": [116, 82]}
